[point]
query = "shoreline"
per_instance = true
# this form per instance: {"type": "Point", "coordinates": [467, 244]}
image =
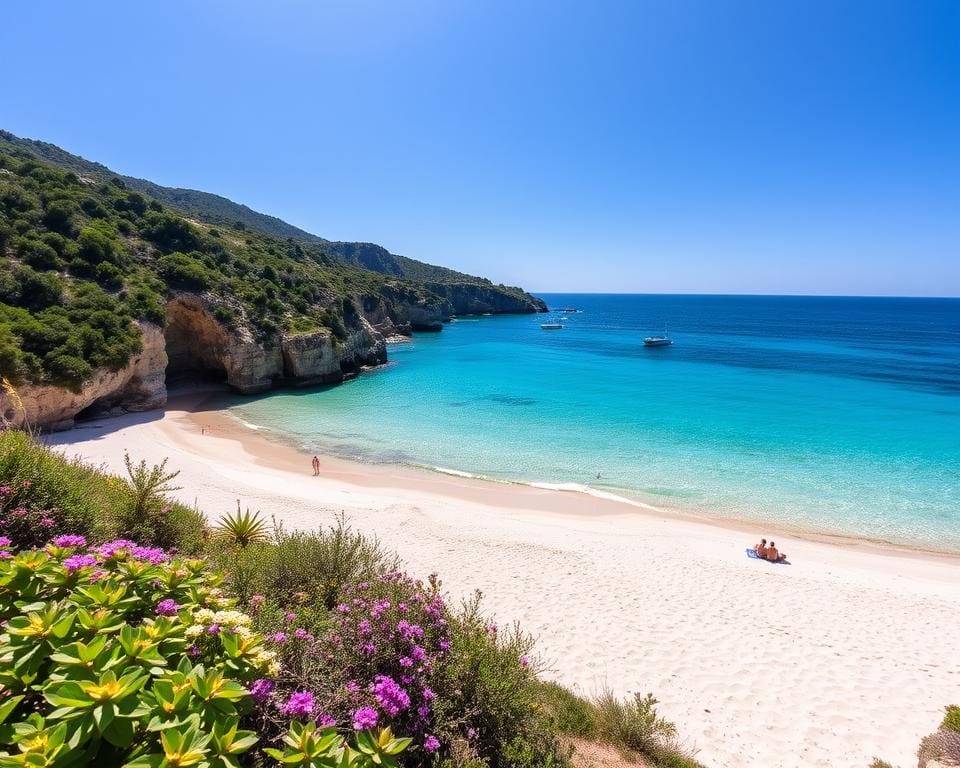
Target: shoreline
{"type": "Point", "coordinates": [205, 409]}
{"type": "Point", "coordinates": [858, 637]}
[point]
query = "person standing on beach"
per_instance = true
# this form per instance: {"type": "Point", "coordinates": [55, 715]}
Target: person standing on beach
{"type": "Point", "coordinates": [316, 465]}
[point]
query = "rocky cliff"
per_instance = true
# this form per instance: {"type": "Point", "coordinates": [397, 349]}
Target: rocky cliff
{"type": "Point", "coordinates": [140, 386]}
{"type": "Point", "coordinates": [194, 344]}
{"type": "Point", "coordinates": [479, 299]}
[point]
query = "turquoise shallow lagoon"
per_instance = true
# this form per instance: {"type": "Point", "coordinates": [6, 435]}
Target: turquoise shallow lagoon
{"type": "Point", "coordinates": [837, 415]}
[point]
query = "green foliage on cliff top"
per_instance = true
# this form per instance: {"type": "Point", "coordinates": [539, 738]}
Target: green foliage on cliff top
{"type": "Point", "coordinates": [81, 260]}
{"type": "Point", "coordinates": [221, 212]}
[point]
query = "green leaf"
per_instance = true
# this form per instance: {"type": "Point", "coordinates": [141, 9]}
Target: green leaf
{"type": "Point", "coordinates": [8, 706]}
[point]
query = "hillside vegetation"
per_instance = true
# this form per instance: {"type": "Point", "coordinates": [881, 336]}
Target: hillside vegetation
{"type": "Point", "coordinates": [137, 635]}
{"type": "Point", "coordinates": [221, 212]}
{"type": "Point", "coordinates": [81, 259]}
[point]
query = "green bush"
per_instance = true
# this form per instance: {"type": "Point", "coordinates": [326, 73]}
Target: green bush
{"type": "Point", "coordinates": [951, 721]}
{"type": "Point", "coordinates": [38, 478]}
{"type": "Point", "coordinates": [634, 725]}
{"type": "Point", "coordinates": [570, 714]}
{"type": "Point", "coordinates": [181, 269]}
{"type": "Point", "coordinates": [317, 562]}
{"type": "Point", "coordinates": [104, 666]}
{"type": "Point", "coordinates": [490, 695]}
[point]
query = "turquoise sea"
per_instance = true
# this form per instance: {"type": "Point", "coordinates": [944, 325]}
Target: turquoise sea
{"type": "Point", "coordinates": [828, 414]}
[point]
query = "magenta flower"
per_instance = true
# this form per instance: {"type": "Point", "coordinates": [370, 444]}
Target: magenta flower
{"type": "Point", "coordinates": [5, 541]}
{"type": "Point", "coordinates": [428, 695]}
{"type": "Point", "coordinates": [5, 490]}
{"type": "Point", "coordinates": [406, 662]}
{"type": "Point", "coordinates": [290, 616]}
{"type": "Point", "coordinates": [325, 721]}
{"type": "Point", "coordinates": [48, 522]}
{"type": "Point", "coordinates": [390, 696]}
{"type": "Point", "coordinates": [279, 637]}
{"type": "Point", "coordinates": [76, 562]}
{"type": "Point", "coordinates": [256, 601]}
{"type": "Point", "coordinates": [364, 719]}
{"type": "Point", "coordinates": [69, 540]}
{"type": "Point", "coordinates": [261, 689]}
{"type": "Point", "coordinates": [368, 649]}
{"type": "Point", "coordinates": [302, 634]}
{"type": "Point", "coordinates": [166, 607]}
{"type": "Point", "coordinates": [213, 629]}
{"type": "Point", "coordinates": [352, 686]}
{"type": "Point", "coordinates": [193, 651]}
{"type": "Point", "coordinates": [431, 744]}
{"type": "Point", "coordinates": [524, 661]}
{"type": "Point", "coordinates": [300, 704]}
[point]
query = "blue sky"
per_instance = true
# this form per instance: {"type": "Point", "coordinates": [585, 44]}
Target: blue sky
{"type": "Point", "coordinates": [675, 146]}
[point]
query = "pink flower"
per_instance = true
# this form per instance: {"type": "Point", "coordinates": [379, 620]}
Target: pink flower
{"type": "Point", "coordinates": [256, 601]}
{"type": "Point", "coordinates": [390, 696]}
{"type": "Point", "coordinates": [261, 689]}
{"type": "Point", "coordinates": [290, 616]}
{"type": "Point", "coordinates": [325, 721]}
{"type": "Point", "coordinates": [69, 540]}
{"type": "Point", "coordinates": [76, 562]}
{"type": "Point", "coordinates": [5, 541]}
{"type": "Point", "coordinates": [364, 719]}
{"type": "Point", "coordinates": [299, 704]}
{"type": "Point", "coordinates": [279, 637]}
{"type": "Point", "coordinates": [166, 607]}
{"type": "Point", "coordinates": [48, 522]}
{"type": "Point", "coordinates": [430, 743]}
{"type": "Point", "coordinates": [5, 490]}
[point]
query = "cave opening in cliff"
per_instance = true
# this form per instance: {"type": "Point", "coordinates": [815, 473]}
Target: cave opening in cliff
{"type": "Point", "coordinates": [194, 343]}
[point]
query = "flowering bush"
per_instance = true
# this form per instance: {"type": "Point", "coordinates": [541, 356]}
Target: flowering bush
{"type": "Point", "coordinates": [25, 527]}
{"type": "Point", "coordinates": [121, 655]}
{"type": "Point", "coordinates": [370, 662]}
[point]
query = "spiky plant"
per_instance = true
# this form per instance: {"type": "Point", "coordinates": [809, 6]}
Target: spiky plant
{"type": "Point", "coordinates": [243, 528]}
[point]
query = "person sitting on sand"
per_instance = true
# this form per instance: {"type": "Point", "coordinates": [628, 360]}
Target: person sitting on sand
{"type": "Point", "coordinates": [761, 548]}
{"type": "Point", "coordinates": [773, 555]}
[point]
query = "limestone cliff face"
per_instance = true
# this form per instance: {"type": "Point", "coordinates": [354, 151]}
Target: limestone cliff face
{"type": "Point", "coordinates": [478, 299]}
{"type": "Point", "coordinates": [194, 343]}
{"type": "Point", "coordinates": [137, 387]}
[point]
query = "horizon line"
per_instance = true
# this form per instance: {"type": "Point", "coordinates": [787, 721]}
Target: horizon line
{"type": "Point", "coordinates": [754, 295]}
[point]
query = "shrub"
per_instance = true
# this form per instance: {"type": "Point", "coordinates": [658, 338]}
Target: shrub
{"type": "Point", "coordinates": [570, 714]}
{"type": "Point", "coordinates": [181, 269]}
{"type": "Point", "coordinates": [635, 726]}
{"type": "Point", "coordinates": [371, 662]}
{"type": "Point", "coordinates": [144, 512]}
{"type": "Point", "coordinates": [120, 655]}
{"type": "Point", "coordinates": [39, 479]}
{"type": "Point", "coordinates": [951, 720]}
{"type": "Point", "coordinates": [488, 698]}
{"type": "Point", "coordinates": [243, 529]}
{"type": "Point", "coordinates": [319, 562]}
{"type": "Point", "coordinates": [113, 661]}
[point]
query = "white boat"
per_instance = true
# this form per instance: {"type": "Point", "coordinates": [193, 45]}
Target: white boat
{"type": "Point", "coordinates": [551, 326]}
{"type": "Point", "coordinates": [657, 341]}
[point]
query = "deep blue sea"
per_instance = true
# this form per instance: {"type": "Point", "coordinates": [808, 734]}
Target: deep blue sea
{"type": "Point", "coordinates": [830, 414]}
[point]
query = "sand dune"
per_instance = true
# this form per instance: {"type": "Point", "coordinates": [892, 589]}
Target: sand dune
{"type": "Point", "coordinates": [848, 653]}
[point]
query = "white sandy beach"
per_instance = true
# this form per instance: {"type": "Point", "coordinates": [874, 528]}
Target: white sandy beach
{"type": "Point", "coordinates": [851, 652]}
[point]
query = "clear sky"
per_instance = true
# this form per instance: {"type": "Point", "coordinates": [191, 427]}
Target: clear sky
{"type": "Point", "coordinates": [675, 146]}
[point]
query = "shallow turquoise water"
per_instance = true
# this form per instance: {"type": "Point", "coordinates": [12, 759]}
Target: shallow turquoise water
{"type": "Point", "coordinates": [830, 414]}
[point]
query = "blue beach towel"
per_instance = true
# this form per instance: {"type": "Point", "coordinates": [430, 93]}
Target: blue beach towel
{"type": "Point", "coordinates": [754, 556]}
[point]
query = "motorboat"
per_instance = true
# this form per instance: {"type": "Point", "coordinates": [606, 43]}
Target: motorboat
{"type": "Point", "coordinates": [657, 341]}
{"type": "Point", "coordinates": [551, 326]}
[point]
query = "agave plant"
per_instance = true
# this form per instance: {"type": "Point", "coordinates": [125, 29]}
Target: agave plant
{"type": "Point", "coordinates": [243, 528]}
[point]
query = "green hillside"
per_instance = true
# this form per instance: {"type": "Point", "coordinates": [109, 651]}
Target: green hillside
{"type": "Point", "coordinates": [221, 212]}
{"type": "Point", "coordinates": [82, 258]}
